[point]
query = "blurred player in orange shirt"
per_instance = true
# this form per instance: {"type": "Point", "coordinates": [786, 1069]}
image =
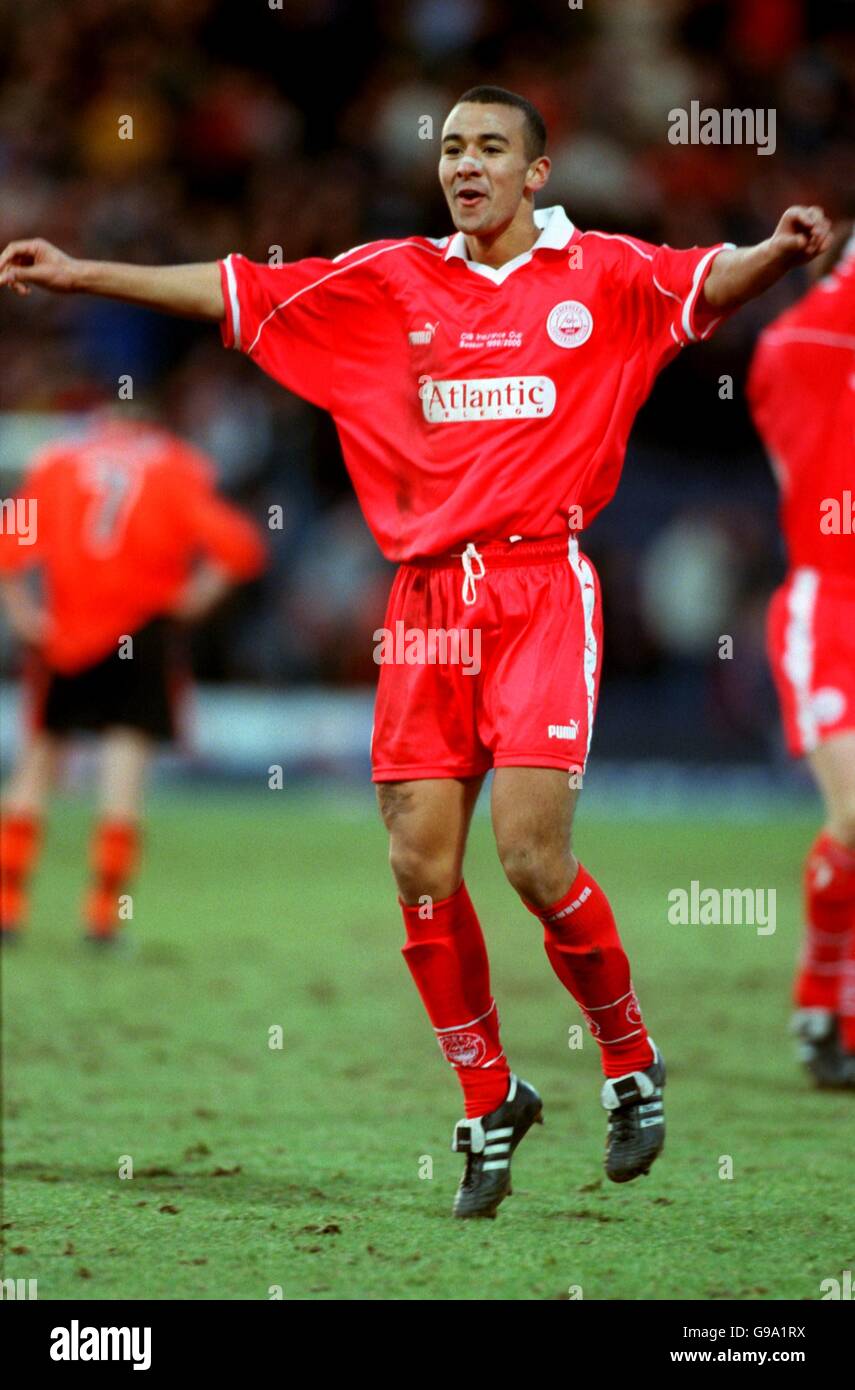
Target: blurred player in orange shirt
{"type": "Point", "coordinates": [802, 393]}
{"type": "Point", "coordinates": [130, 538]}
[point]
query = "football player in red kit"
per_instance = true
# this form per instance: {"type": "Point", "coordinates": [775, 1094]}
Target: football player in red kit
{"type": "Point", "coordinates": [128, 534]}
{"type": "Point", "coordinates": [802, 393]}
{"type": "Point", "coordinates": [484, 385]}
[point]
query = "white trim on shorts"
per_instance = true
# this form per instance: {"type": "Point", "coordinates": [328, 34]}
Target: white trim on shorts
{"type": "Point", "coordinates": [588, 594]}
{"type": "Point", "coordinates": [798, 658]}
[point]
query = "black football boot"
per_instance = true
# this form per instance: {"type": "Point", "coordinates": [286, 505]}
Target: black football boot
{"type": "Point", "coordinates": [488, 1142]}
{"type": "Point", "coordinates": [636, 1135]}
{"type": "Point", "coordinates": [829, 1067]}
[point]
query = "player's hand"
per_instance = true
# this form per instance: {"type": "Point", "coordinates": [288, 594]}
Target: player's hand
{"type": "Point", "coordinates": [201, 594]}
{"type": "Point", "coordinates": [30, 624]}
{"type": "Point", "coordinates": [801, 234]}
{"type": "Point", "coordinates": [36, 262]}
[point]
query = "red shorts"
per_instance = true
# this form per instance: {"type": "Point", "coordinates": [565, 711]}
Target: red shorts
{"type": "Point", "coordinates": [811, 640]}
{"type": "Point", "coordinates": [490, 659]}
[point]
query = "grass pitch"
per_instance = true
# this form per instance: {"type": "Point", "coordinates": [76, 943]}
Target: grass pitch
{"type": "Point", "coordinates": [299, 1167]}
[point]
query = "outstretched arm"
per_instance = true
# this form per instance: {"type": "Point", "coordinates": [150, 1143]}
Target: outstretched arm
{"type": "Point", "coordinates": [193, 291]}
{"type": "Point", "coordinates": [737, 276]}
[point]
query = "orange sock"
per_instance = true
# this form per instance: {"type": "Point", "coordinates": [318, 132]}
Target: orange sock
{"type": "Point", "coordinates": [20, 838]}
{"type": "Point", "coordinates": [114, 854]}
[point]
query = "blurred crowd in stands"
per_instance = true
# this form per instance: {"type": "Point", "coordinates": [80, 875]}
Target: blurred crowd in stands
{"type": "Point", "coordinates": [299, 124]}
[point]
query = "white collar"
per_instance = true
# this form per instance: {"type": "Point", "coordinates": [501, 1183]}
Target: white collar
{"type": "Point", "coordinates": [556, 231]}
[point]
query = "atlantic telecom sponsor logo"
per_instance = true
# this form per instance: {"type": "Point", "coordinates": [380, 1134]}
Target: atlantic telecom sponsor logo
{"type": "Point", "coordinates": [487, 398]}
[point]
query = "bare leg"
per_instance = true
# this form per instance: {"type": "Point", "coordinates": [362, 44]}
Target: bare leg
{"type": "Point", "coordinates": [428, 824]}
{"type": "Point", "coordinates": [24, 797]}
{"type": "Point", "coordinates": [125, 755]}
{"type": "Point", "coordinates": [833, 766]}
{"type": "Point", "coordinates": [30, 783]}
{"type": "Point", "coordinates": [114, 851]}
{"type": "Point", "coordinates": [533, 809]}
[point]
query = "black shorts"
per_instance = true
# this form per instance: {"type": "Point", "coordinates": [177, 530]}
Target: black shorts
{"type": "Point", "coordinates": [132, 692]}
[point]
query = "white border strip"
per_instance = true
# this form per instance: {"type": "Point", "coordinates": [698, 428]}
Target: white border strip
{"type": "Point", "coordinates": [689, 303]}
{"type": "Point", "coordinates": [799, 649]}
{"type": "Point", "coordinates": [616, 236]}
{"type": "Point", "coordinates": [456, 1027]}
{"type": "Point", "coordinates": [588, 594]}
{"type": "Point", "coordinates": [234, 301]}
{"type": "Point", "coordinates": [809, 335]}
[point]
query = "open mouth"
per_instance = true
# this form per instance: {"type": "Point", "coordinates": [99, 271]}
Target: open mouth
{"type": "Point", "coordinates": [470, 197]}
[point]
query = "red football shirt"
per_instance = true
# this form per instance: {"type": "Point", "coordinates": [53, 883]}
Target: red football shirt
{"type": "Point", "coordinates": [801, 388]}
{"type": "Point", "coordinates": [474, 404]}
{"type": "Point", "coordinates": [120, 516]}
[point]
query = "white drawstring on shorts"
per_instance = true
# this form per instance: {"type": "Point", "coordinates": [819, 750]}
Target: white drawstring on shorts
{"type": "Point", "coordinates": [469, 574]}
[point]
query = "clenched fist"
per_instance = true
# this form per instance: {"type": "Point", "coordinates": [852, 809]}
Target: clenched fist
{"type": "Point", "coordinates": [801, 234]}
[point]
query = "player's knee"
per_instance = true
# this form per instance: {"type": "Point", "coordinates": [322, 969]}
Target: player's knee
{"type": "Point", "coordinates": [420, 872]}
{"type": "Point", "coordinates": [843, 823]}
{"type": "Point", "coordinates": [540, 872]}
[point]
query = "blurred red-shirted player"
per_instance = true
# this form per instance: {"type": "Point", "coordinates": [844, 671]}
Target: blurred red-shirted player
{"type": "Point", "coordinates": [128, 534]}
{"type": "Point", "coordinates": [484, 385]}
{"type": "Point", "coordinates": [802, 393]}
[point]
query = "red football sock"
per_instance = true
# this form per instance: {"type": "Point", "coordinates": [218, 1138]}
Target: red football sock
{"type": "Point", "coordinates": [585, 952]}
{"type": "Point", "coordinates": [114, 852]}
{"type": "Point", "coordinates": [846, 998]}
{"type": "Point", "coordinates": [447, 959]}
{"type": "Point", "coordinates": [826, 976]}
{"type": "Point", "coordinates": [20, 839]}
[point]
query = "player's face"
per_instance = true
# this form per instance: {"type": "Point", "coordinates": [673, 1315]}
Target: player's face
{"type": "Point", "coordinates": [484, 169]}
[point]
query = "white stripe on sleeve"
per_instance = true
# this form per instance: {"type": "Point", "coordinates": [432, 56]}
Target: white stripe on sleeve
{"type": "Point", "coordinates": [689, 302]}
{"type": "Point", "coordinates": [234, 302]}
